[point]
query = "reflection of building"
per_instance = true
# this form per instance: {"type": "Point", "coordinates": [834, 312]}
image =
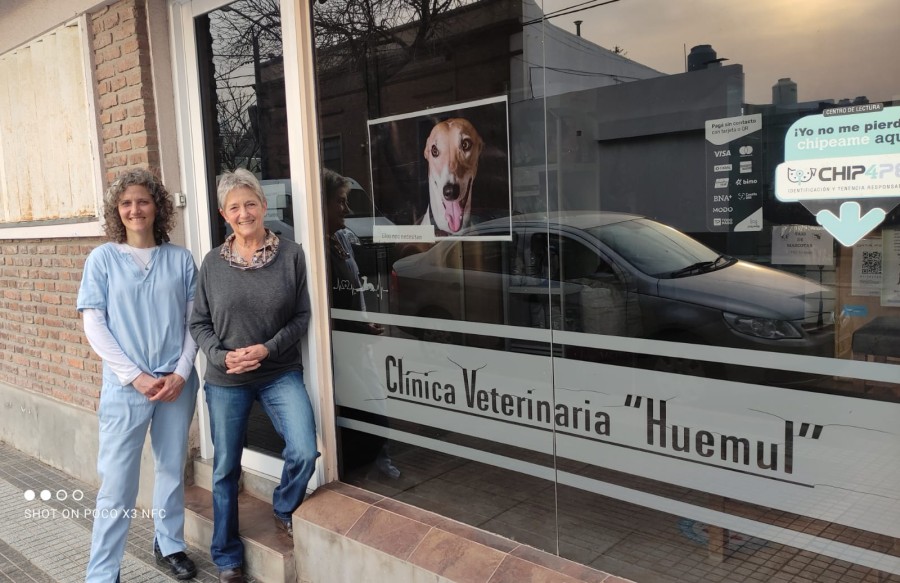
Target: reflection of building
{"type": "Point", "coordinates": [556, 62]}
{"type": "Point", "coordinates": [491, 55]}
{"type": "Point", "coordinates": [632, 142]}
{"type": "Point", "coordinates": [588, 129]}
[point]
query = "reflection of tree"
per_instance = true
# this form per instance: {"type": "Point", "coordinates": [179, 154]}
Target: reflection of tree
{"type": "Point", "coordinates": [239, 146]}
{"type": "Point", "coordinates": [245, 35]}
{"type": "Point", "coordinates": [376, 38]}
{"type": "Point", "coordinates": [351, 33]}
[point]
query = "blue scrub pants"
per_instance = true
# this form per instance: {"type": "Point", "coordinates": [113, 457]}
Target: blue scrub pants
{"type": "Point", "coordinates": [285, 401]}
{"type": "Point", "coordinates": [125, 414]}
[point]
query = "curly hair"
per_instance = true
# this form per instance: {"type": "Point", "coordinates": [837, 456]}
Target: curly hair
{"type": "Point", "coordinates": [165, 210]}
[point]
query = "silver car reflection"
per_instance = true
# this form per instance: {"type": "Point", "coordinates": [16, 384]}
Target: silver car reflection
{"type": "Point", "coordinates": [613, 273]}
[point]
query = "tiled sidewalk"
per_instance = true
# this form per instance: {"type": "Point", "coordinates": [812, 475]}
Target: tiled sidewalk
{"type": "Point", "coordinates": [49, 541]}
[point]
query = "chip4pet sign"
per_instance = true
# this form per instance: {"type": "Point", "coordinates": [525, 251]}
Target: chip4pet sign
{"type": "Point", "coordinates": [844, 166]}
{"type": "Point", "coordinates": [733, 162]}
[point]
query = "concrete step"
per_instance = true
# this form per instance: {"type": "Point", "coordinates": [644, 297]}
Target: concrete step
{"type": "Point", "coordinates": [203, 473]}
{"type": "Point", "coordinates": [268, 552]}
{"type": "Point", "coordinates": [257, 485]}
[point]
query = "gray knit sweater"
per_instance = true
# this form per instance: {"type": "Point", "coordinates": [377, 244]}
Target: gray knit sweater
{"type": "Point", "coordinates": [235, 308]}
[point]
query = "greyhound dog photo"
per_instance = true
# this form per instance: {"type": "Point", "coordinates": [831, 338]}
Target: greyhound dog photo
{"type": "Point", "coordinates": [452, 151]}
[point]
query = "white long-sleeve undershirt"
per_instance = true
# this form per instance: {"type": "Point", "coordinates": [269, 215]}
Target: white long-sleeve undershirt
{"type": "Point", "coordinates": [106, 347]}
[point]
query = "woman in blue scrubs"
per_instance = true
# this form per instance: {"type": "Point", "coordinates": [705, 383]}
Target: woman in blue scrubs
{"type": "Point", "coordinates": [136, 295]}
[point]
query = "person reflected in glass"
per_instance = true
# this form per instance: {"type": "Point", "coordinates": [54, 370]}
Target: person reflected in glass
{"type": "Point", "coordinates": [136, 296]}
{"type": "Point", "coordinates": [348, 293]}
{"type": "Point", "coordinates": [347, 290]}
{"type": "Point", "coordinates": [250, 314]}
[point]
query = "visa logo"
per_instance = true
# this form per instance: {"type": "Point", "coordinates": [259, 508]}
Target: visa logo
{"type": "Point", "coordinates": [721, 153]}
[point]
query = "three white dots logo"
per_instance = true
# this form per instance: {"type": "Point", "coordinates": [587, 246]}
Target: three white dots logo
{"type": "Point", "coordinates": [61, 495]}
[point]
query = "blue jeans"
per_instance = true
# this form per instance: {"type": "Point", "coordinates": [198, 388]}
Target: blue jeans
{"type": "Point", "coordinates": [285, 401]}
{"type": "Point", "coordinates": [125, 416]}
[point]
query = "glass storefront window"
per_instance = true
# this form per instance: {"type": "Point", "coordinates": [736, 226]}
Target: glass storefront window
{"type": "Point", "coordinates": [635, 272]}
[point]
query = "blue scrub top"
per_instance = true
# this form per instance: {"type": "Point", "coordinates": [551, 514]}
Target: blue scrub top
{"type": "Point", "coordinates": [145, 309]}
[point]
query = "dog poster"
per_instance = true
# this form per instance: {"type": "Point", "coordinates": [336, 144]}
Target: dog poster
{"type": "Point", "coordinates": [438, 173]}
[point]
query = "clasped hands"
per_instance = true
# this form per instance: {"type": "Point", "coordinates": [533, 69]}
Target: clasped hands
{"type": "Point", "coordinates": [245, 359]}
{"type": "Point", "coordinates": [165, 388]}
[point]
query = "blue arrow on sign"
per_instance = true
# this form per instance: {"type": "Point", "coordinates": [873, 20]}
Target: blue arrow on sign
{"type": "Point", "coordinates": [850, 227]}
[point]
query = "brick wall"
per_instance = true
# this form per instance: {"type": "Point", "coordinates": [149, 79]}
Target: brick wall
{"type": "Point", "coordinates": [125, 87]}
{"type": "Point", "coordinates": [42, 344]}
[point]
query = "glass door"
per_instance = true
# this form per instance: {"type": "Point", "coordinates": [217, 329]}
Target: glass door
{"type": "Point", "coordinates": [236, 117]}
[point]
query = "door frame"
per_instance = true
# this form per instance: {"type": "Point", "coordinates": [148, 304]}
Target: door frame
{"type": "Point", "coordinates": [307, 207]}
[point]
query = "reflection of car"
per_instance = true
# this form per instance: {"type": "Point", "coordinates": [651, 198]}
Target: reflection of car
{"type": "Point", "coordinates": [366, 215]}
{"type": "Point", "coordinates": [279, 214]}
{"type": "Point", "coordinates": [280, 228]}
{"type": "Point", "coordinates": [612, 273]}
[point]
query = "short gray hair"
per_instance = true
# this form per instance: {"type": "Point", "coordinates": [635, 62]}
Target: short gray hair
{"type": "Point", "coordinates": [240, 178]}
{"type": "Point", "coordinates": [334, 183]}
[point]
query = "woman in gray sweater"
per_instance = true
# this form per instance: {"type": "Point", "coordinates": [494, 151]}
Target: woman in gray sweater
{"type": "Point", "coordinates": [251, 310]}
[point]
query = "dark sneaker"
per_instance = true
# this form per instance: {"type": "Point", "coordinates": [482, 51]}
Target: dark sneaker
{"type": "Point", "coordinates": [181, 565]}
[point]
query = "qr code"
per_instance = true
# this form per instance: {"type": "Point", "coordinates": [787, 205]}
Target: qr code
{"type": "Point", "coordinates": [871, 262]}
